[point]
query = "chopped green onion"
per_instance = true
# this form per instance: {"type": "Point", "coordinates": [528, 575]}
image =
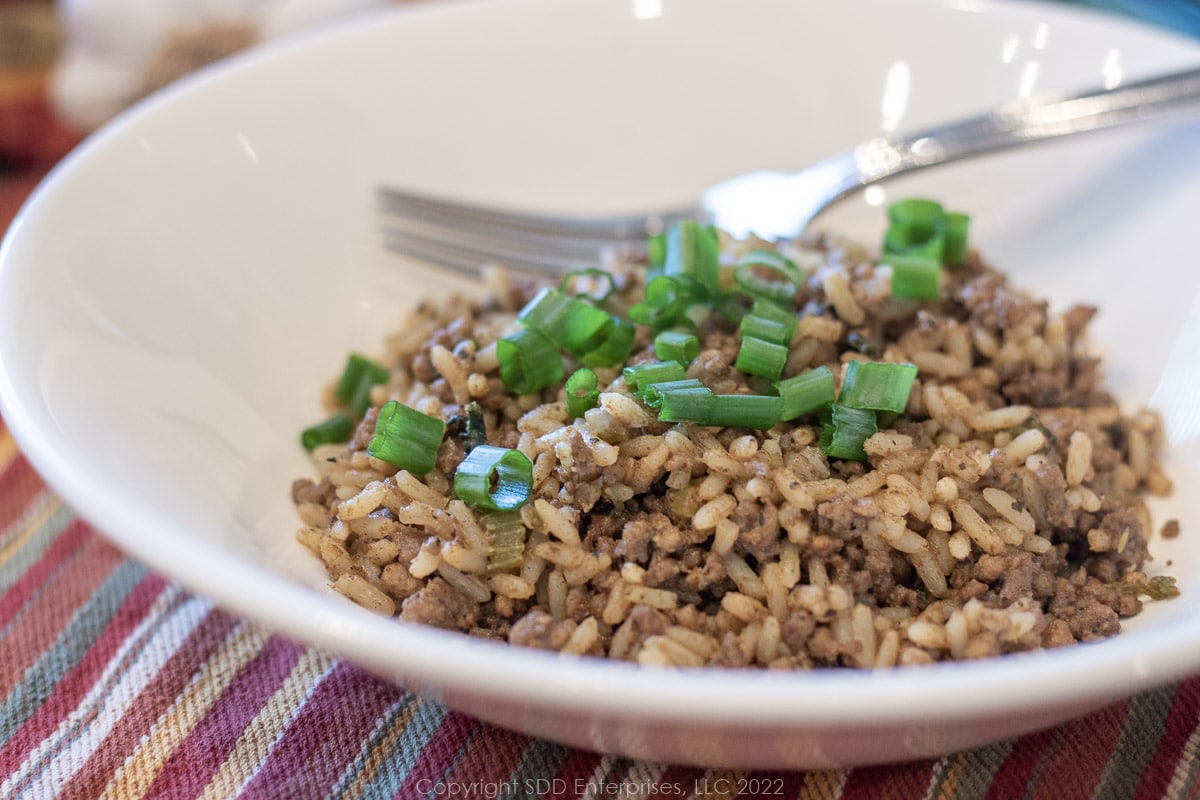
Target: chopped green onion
{"type": "Point", "coordinates": [754, 411]}
{"type": "Point", "coordinates": [916, 239]}
{"type": "Point", "coordinates": [914, 277]}
{"type": "Point", "coordinates": [656, 252]}
{"type": "Point", "coordinates": [769, 330]}
{"type": "Point", "coordinates": [917, 210]}
{"type": "Point", "coordinates": [568, 322]}
{"type": "Point", "coordinates": [877, 385]}
{"type": "Point", "coordinates": [406, 438]}
{"type": "Point", "coordinates": [780, 284]}
{"type": "Point", "coordinates": [775, 313]}
{"type": "Point", "coordinates": [639, 376]}
{"type": "Point", "coordinates": [653, 394]}
{"type": "Point", "coordinates": [844, 429]}
{"type": "Point", "coordinates": [494, 478]}
{"type": "Point", "coordinates": [335, 430]}
{"type": "Point", "coordinates": [529, 362]}
{"type": "Point", "coordinates": [676, 346]}
{"type": "Point", "coordinates": [587, 276]}
{"type": "Point", "coordinates": [581, 393]}
{"type": "Point", "coordinates": [614, 350]}
{"type": "Point", "coordinates": [507, 547]}
{"type": "Point", "coordinates": [693, 251]}
{"type": "Point", "coordinates": [353, 388]}
{"type": "Point", "coordinates": [806, 392]}
{"type": "Point", "coordinates": [760, 357]}
{"type": "Point", "coordinates": [685, 405]}
{"type": "Point", "coordinates": [955, 236]}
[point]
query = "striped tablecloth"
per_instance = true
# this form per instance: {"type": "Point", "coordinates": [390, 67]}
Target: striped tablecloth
{"type": "Point", "coordinates": [117, 683]}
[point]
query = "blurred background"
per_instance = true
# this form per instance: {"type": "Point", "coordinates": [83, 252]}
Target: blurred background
{"type": "Point", "coordinates": [67, 66]}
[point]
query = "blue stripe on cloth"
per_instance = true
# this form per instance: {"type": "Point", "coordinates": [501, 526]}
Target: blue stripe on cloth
{"type": "Point", "coordinates": [26, 554]}
{"type": "Point", "coordinates": [541, 761]}
{"type": "Point", "coordinates": [412, 741]}
{"type": "Point", "coordinates": [68, 649]}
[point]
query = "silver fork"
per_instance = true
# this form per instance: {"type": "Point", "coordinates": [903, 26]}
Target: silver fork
{"type": "Point", "coordinates": [772, 205]}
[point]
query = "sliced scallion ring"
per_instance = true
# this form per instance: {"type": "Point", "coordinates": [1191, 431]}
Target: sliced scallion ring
{"type": "Point", "coordinates": [768, 275]}
{"type": "Point", "coordinates": [581, 392]}
{"type": "Point", "coordinates": [406, 438]}
{"type": "Point", "coordinates": [877, 385]}
{"type": "Point", "coordinates": [494, 478]}
{"type": "Point", "coordinates": [529, 362]}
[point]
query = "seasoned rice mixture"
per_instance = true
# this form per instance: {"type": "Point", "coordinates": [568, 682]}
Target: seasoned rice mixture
{"type": "Point", "coordinates": [1002, 510]}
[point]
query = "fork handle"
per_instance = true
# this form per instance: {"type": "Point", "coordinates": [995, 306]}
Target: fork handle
{"type": "Point", "coordinates": [1031, 120]}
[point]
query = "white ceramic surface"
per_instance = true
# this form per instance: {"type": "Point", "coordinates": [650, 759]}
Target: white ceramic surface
{"type": "Point", "coordinates": [174, 295]}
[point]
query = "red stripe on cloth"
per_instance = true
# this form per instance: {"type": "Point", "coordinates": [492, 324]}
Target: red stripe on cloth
{"type": "Point", "coordinates": [678, 782]}
{"type": "Point", "coordinates": [64, 547]}
{"type": "Point", "coordinates": [70, 691]}
{"type": "Point", "coordinates": [1018, 768]}
{"type": "Point", "coordinates": [19, 484]}
{"type": "Point", "coordinates": [197, 758]}
{"type": "Point", "coordinates": [150, 704]}
{"type": "Point", "coordinates": [900, 780]}
{"type": "Point", "coordinates": [578, 768]}
{"type": "Point", "coordinates": [83, 569]}
{"type": "Point", "coordinates": [1084, 750]}
{"type": "Point", "coordinates": [325, 737]}
{"type": "Point", "coordinates": [1181, 720]}
{"type": "Point", "coordinates": [488, 761]}
{"type": "Point", "coordinates": [438, 755]}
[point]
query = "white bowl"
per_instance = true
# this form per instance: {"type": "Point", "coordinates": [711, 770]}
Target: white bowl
{"type": "Point", "coordinates": [174, 296]}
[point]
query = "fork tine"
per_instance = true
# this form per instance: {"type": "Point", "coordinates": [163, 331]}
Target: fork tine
{"type": "Point", "coordinates": [445, 212]}
{"type": "Point", "coordinates": [469, 258]}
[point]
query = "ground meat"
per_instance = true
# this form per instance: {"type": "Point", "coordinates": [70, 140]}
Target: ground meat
{"type": "Point", "coordinates": [539, 630]}
{"type": "Point", "coordinates": [441, 605]}
{"type": "Point", "coordinates": [759, 523]}
{"type": "Point", "coordinates": [796, 628]}
{"type": "Point", "coordinates": [1013, 570]}
{"type": "Point", "coordinates": [306, 490]}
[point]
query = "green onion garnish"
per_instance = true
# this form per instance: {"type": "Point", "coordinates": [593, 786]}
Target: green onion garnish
{"type": "Point", "coordinates": [774, 313]}
{"type": "Point", "coordinates": [566, 321]}
{"type": "Point", "coordinates": [406, 438]}
{"type": "Point", "coordinates": [955, 236]}
{"type": "Point", "coordinates": [614, 350]}
{"type": "Point", "coordinates": [587, 276]}
{"type": "Point", "coordinates": [507, 547]}
{"type": "Point", "coordinates": [529, 362]}
{"type": "Point", "coordinates": [676, 346]}
{"type": "Point", "coordinates": [877, 385]}
{"type": "Point", "coordinates": [769, 275]}
{"type": "Point", "coordinates": [353, 388]}
{"type": "Point", "coordinates": [760, 357]}
{"type": "Point", "coordinates": [653, 393]}
{"type": "Point", "coordinates": [915, 210]}
{"type": "Point", "coordinates": [494, 478]}
{"type": "Point", "coordinates": [693, 251]}
{"type": "Point", "coordinates": [755, 411]}
{"type": "Point", "coordinates": [582, 392]}
{"type": "Point", "coordinates": [685, 405]}
{"type": "Point", "coordinates": [844, 429]}
{"type": "Point", "coordinates": [805, 392]}
{"type": "Point", "coordinates": [639, 376]}
{"type": "Point", "coordinates": [914, 277]}
{"type": "Point", "coordinates": [769, 330]}
{"type": "Point", "coordinates": [338, 428]}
